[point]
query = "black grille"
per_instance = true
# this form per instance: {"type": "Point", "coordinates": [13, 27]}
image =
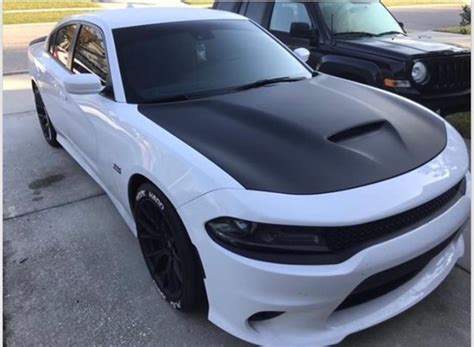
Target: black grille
{"type": "Point", "coordinates": [341, 238]}
{"type": "Point", "coordinates": [449, 74]}
{"type": "Point", "coordinates": [389, 280]}
{"type": "Point", "coordinates": [341, 243]}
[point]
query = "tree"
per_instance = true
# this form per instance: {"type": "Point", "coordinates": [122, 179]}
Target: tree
{"type": "Point", "coordinates": [465, 18]}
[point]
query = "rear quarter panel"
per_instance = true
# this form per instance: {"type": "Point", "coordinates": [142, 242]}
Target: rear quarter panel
{"type": "Point", "coordinates": [44, 71]}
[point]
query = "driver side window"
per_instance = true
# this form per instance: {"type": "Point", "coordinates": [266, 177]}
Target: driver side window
{"type": "Point", "coordinates": [285, 13]}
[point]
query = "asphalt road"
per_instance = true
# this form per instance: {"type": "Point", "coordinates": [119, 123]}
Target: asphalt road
{"type": "Point", "coordinates": [74, 275]}
{"type": "Point", "coordinates": [421, 18]}
{"type": "Point", "coordinates": [15, 43]}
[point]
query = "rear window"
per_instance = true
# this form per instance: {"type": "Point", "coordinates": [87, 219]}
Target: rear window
{"type": "Point", "coordinates": [62, 43]}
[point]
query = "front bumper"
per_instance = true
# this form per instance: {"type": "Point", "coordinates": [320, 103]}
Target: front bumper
{"type": "Point", "coordinates": [238, 287]}
{"type": "Point", "coordinates": [445, 103]}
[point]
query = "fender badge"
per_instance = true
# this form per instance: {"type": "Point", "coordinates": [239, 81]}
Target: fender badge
{"type": "Point", "coordinates": [117, 168]}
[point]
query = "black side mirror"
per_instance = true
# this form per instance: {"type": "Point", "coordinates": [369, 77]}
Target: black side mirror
{"type": "Point", "coordinates": [303, 31]}
{"type": "Point", "coordinates": [401, 25]}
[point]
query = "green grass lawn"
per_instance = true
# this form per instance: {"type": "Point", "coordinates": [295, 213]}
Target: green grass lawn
{"type": "Point", "coordinates": [386, 2]}
{"type": "Point", "coordinates": [456, 30]}
{"type": "Point", "coordinates": [462, 123]}
{"type": "Point", "coordinates": [199, 2]}
{"type": "Point", "coordinates": [9, 5]}
{"type": "Point", "coordinates": [420, 2]}
{"type": "Point", "coordinates": [38, 17]}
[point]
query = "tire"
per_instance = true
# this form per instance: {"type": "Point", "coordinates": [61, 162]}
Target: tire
{"type": "Point", "coordinates": [46, 125]}
{"type": "Point", "coordinates": [171, 258]}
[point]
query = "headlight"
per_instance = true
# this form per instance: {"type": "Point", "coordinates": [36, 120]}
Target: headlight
{"type": "Point", "coordinates": [267, 237]}
{"type": "Point", "coordinates": [419, 73]}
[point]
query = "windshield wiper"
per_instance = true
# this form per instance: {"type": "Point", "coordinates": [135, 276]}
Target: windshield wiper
{"type": "Point", "coordinates": [264, 82]}
{"type": "Point", "coordinates": [354, 33]}
{"type": "Point", "coordinates": [181, 97]}
{"type": "Point", "coordinates": [390, 33]}
{"type": "Point", "coordinates": [191, 96]}
{"type": "Point", "coordinates": [178, 97]}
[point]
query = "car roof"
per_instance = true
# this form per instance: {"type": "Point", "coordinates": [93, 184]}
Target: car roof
{"type": "Point", "coordinates": [130, 17]}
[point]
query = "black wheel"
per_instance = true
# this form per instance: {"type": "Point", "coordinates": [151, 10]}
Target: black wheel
{"type": "Point", "coordinates": [167, 249]}
{"type": "Point", "coordinates": [47, 127]}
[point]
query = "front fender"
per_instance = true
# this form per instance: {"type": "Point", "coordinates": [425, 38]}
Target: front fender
{"type": "Point", "coordinates": [360, 70]}
{"type": "Point", "coordinates": [143, 148]}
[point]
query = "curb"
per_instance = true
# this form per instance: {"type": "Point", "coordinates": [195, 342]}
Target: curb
{"type": "Point", "coordinates": [52, 10]}
{"type": "Point", "coordinates": [19, 72]}
{"type": "Point", "coordinates": [29, 24]}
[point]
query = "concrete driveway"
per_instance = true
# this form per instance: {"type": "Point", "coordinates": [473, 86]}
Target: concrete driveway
{"type": "Point", "coordinates": [73, 273]}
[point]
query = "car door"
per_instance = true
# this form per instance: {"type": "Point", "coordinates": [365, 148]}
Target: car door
{"type": "Point", "coordinates": [57, 62]}
{"type": "Point", "coordinates": [89, 56]}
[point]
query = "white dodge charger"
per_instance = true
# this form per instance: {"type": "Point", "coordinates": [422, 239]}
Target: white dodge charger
{"type": "Point", "coordinates": [301, 207]}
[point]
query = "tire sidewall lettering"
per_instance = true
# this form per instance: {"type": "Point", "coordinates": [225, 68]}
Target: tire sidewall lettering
{"type": "Point", "coordinates": [142, 193]}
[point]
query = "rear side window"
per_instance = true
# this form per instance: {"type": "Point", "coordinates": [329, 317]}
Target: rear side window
{"type": "Point", "coordinates": [285, 13]}
{"type": "Point", "coordinates": [89, 54]}
{"type": "Point", "coordinates": [62, 43]}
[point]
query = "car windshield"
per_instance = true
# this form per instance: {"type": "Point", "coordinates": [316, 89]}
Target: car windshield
{"type": "Point", "coordinates": [181, 60]}
{"type": "Point", "coordinates": [359, 18]}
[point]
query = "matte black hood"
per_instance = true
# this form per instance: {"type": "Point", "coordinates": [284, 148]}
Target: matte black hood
{"type": "Point", "coordinates": [309, 137]}
{"type": "Point", "coordinates": [400, 47]}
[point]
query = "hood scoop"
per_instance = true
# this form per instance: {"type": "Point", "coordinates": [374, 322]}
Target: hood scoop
{"type": "Point", "coordinates": [357, 131]}
{"type": "Point", "coordinates": [378, 142]}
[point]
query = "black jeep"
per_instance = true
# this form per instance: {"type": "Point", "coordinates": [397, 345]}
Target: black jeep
{"type": "Point", "coordinates": [362, 41]}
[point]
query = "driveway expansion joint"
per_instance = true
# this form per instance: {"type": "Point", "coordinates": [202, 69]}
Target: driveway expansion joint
{"type": "Point", "coordinates": [53, 207]}
{"type": "Point", "coordinates": [18, 113]}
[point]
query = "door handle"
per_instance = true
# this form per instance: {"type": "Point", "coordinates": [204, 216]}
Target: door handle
{"type": "Point", "coordinates": [61, 92]}
{"type": "Point", "coordinates": [63, 95]}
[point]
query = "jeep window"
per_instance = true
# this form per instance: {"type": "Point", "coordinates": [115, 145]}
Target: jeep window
{"type": "Point", "coordinates": [371, 18]}
{"type": "Point", "coordinates": [184, 59]}
{"type": "Point", "coordinates": [285, 13]}
{"type": "Point", "coordinates": [256, 11]}
{"type": "Point", "coordinates": [231, 6]}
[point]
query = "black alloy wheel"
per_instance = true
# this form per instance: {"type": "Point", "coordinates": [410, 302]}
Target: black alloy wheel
{"type": "Point", "coordinates": [46, 125]}
{"type": "Point", "coordinates": [169, 255]}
